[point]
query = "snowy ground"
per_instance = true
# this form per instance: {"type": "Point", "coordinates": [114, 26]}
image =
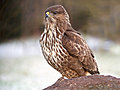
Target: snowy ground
{"type": "Point", "coordinates": [22, 66]}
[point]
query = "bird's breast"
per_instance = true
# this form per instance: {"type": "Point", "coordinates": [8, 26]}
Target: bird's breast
{"type": "Point", "coordinates": [52, 49]}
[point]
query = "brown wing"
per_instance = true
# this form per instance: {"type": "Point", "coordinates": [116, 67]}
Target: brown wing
{"type": "Point", "coordinates": [77, 47]}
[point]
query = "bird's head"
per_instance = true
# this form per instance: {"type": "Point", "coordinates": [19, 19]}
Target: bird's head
{"type": "Point", "coordinates": [56, 13]}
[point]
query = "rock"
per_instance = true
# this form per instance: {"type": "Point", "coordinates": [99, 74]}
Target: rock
{"type": "Point", "coordinates": [93, 82]}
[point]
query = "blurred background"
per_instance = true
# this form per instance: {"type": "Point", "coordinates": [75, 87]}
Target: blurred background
{"type": "Point", "coordinates": [22, 65]}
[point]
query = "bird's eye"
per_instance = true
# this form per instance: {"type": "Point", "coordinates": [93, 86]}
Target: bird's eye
{"type": "Point", "coordinates": [55, 12]}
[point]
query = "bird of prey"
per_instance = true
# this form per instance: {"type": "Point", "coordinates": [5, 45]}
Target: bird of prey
{"type": "Point", "coordinates": [63, 47]}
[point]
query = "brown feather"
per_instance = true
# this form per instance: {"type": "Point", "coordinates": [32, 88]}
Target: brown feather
{"type": "Point", "coordinates": [77, 47]}
{"type": "Point", "coordinates": [63, 47]}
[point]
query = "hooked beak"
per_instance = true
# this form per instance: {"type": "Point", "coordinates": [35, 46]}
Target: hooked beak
{"type": "Point", "coordinates": [47, 14]}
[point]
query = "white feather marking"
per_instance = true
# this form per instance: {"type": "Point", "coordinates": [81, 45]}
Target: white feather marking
{"type": "Point", "coordinates": [57, 47]}
{"type": "Point", "coordinates": [58, 30]}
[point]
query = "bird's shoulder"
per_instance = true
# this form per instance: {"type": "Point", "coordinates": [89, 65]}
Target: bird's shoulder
{"type": "Point", "coordinates": [72, 34]}
{"type": "Point", "coordinates": [74, 43]}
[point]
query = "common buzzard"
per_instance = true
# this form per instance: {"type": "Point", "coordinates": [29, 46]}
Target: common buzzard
{"type": "Point", "coordinates": [63, 47]}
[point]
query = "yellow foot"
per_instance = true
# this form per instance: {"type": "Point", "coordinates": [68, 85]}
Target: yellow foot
{"type": "Point", "coordinates": [87, 74]}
